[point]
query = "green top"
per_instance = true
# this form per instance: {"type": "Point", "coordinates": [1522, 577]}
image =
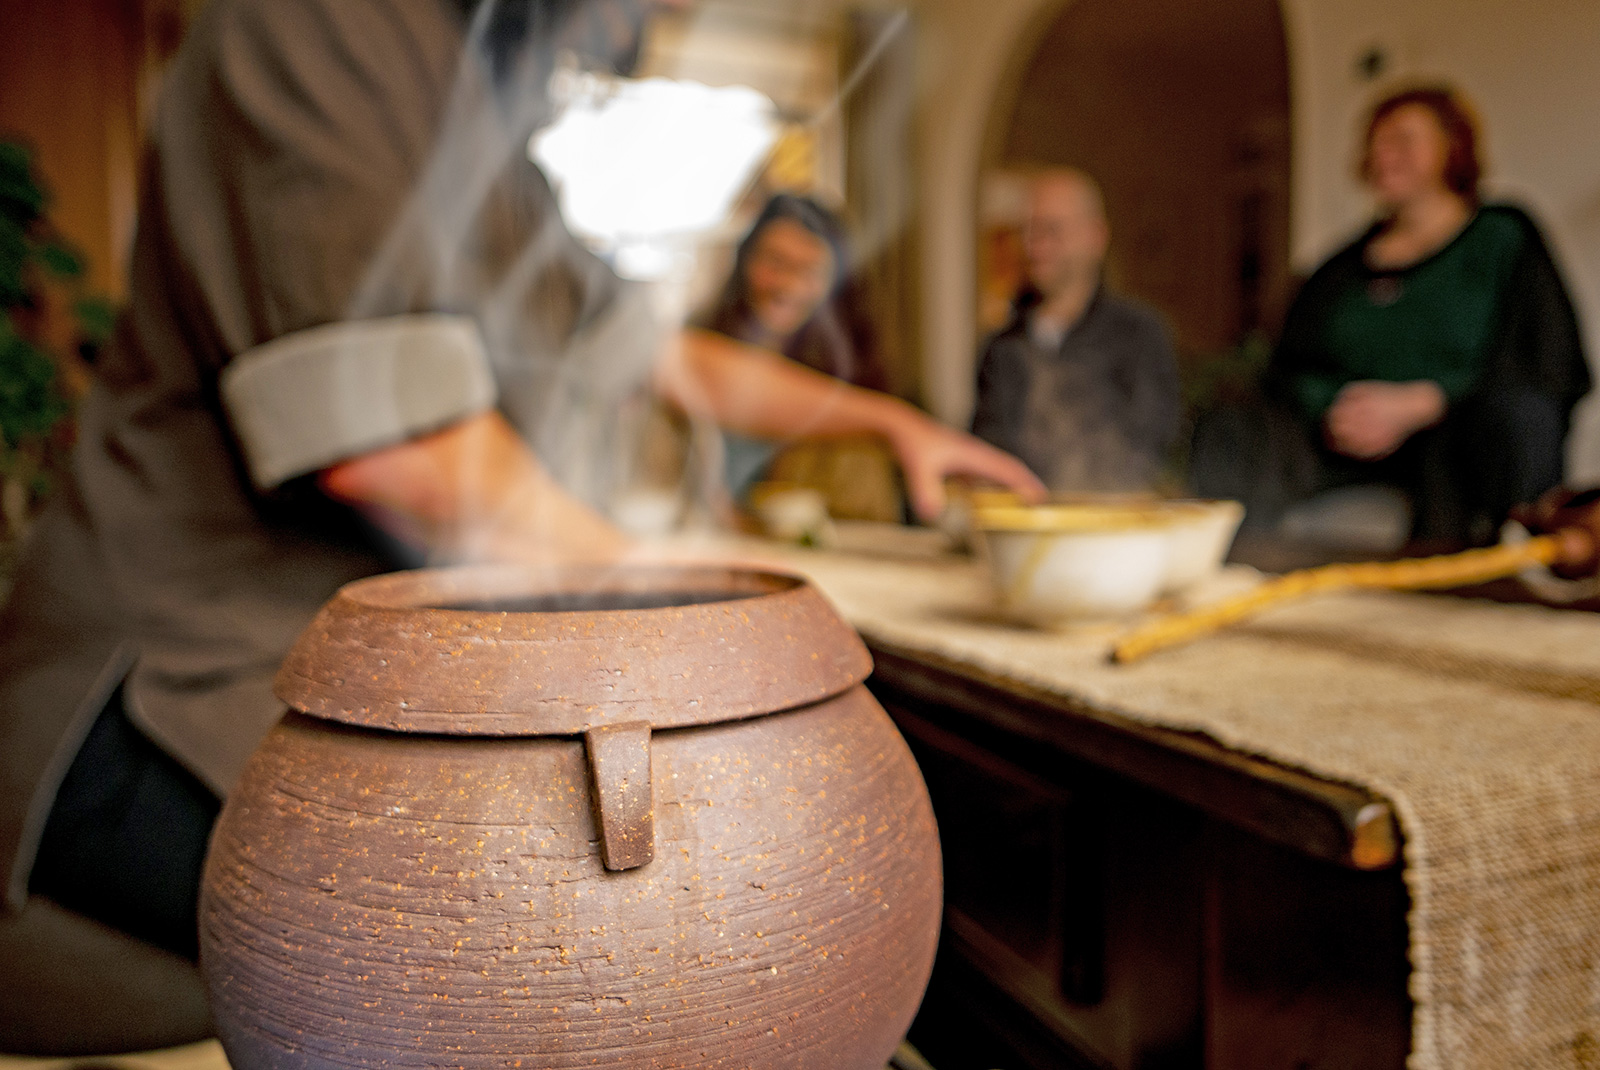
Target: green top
{"type": "Point", "coordinates": [1433, 320]}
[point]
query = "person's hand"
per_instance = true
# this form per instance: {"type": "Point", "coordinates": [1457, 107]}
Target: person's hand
{"type": "Point", "coordinates": [929, 453]}
{"type": "Point", "coordinates": [765, 394]}
{"type": "Point", "coordinates": [1369, 419]}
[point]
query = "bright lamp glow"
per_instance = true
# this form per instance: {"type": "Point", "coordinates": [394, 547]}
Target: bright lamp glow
{"type": "Point", "coordinates": [642, 166]}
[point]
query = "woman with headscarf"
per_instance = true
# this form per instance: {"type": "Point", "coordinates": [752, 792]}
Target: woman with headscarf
{"type": "Point", "coordinates": [791, 291]}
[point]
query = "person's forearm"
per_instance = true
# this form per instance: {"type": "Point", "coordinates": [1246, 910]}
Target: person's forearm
{"type": "Point", "coordinates": [763, 394]}
{"type": "Point", "coordinates": [472, 492]}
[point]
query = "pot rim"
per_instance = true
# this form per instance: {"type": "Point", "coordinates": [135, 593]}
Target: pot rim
{"type": "Point", "coordinates": [470, 650]}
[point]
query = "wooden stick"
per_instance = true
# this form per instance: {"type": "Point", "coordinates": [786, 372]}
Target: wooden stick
{"type": "Point", "coordinates": [1447, 570]}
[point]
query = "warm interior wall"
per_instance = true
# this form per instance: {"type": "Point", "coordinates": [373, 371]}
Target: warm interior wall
{"type": "Point", "coordinates": [68, 88]}
{"type": "Point", "coordinates": [1530, 67]}
{"type": "Point", "coordinates": [77, 81]}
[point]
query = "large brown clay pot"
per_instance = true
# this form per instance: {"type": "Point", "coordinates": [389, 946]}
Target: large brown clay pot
{"type": "Point", "coordinates": [644, 819]}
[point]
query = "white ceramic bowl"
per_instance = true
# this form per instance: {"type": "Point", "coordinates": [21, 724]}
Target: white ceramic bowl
{"type": "Point", "coordinates": [1052, 563]}
{"type": "Point", "coordinates": [1202, 533]}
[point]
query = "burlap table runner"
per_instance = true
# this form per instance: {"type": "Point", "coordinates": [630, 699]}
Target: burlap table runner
{"type": "Point", "coordinates": [1477, 721]}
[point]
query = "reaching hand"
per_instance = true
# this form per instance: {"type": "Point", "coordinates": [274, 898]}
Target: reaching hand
{"type": "Point", "coordinates": [1370, 419]}
{"type": "Point", "coordinates": [930, 452]}
{"type": "Point", "coordinates": [765, 394]}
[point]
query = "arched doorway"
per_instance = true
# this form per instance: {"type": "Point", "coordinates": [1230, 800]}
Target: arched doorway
{"type": "Point", "coordinates": [1181, 109]}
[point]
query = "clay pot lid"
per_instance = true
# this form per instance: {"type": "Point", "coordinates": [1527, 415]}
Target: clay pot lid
{"type": "Point", "coordinates": [509, 651]}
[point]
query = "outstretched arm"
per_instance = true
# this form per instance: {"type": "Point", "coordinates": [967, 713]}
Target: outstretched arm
{"type": "Point", "coordinates": [761, 393]}
{"type": "Point", "coordinates": [476, 491]}
{"type": "Point", "coordinates": [473, 492]}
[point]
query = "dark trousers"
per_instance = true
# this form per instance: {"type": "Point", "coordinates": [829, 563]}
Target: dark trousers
{"type": "Point", "coordinates": [1491, 452]}
{"type": "Point", "coordinates": [126, 838]}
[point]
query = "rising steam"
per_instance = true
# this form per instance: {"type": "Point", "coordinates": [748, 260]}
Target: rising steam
{"type": "Point", "coordinates": [572, 348]}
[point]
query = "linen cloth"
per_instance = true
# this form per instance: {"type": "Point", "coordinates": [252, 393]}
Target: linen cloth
{"type": "Point", "coordinates": [1479, 722]}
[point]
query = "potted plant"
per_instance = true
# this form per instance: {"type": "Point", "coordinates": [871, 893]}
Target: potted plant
{"type": "Point", "coordinates": [49, 325]}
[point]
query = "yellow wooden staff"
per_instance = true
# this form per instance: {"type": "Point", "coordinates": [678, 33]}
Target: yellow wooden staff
{"type": "Point", "coordinates": [1565, 546]}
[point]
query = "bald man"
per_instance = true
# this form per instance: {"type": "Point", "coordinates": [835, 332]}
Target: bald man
{"type": "Point", "coordinates": [1081, 384]}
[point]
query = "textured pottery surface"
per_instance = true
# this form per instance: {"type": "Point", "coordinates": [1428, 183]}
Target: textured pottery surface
{"type": "Point", "coordinates": [525, 832]}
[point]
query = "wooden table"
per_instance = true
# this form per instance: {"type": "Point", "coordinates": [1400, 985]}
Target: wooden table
{"type": "Point", "coordinates": [1121, 895]}
{"type": "Point", "coordinates": [1360, 831]}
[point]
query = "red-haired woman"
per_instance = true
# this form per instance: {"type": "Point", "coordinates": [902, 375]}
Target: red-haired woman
{"type": "Point", "coordinates": [1438, 352]}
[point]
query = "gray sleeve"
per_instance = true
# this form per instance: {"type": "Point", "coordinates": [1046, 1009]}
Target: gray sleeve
{"type": "Point", "coordinates": [325, 394]}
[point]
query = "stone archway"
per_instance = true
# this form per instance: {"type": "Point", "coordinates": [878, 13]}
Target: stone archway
{"type": "Point", "coordinates": [1181, 109]}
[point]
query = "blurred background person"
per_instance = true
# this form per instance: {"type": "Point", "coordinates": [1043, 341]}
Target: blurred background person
{"type": "Point", "coordinates": [1438, 353]}
{"type": "Point", "coordinates": [791, 291]}
{"type": "Point", "coordinates": [1082, 384]}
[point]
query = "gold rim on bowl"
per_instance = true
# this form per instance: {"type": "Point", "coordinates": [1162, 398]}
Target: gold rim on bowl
{"type": "Point", "coordinates": [1074, 519]}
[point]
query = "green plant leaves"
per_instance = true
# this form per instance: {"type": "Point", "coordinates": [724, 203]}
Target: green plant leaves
{"type": "Point", "coordinates": [30, 404]}
{"type": "Point", "coordinates": [22, 200]}
{"type": "Point", "coordinates": [97, 318]}
{"type": "Point", "coordinates": [58, 258]}
{"type": "Point", "coordinates": [33, 406]}
{"type": "Point", "coordinates": [13, 263]}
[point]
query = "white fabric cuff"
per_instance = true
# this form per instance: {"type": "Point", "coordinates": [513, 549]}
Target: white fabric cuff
{"type": "Point", "coordinates": [326, 394]}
